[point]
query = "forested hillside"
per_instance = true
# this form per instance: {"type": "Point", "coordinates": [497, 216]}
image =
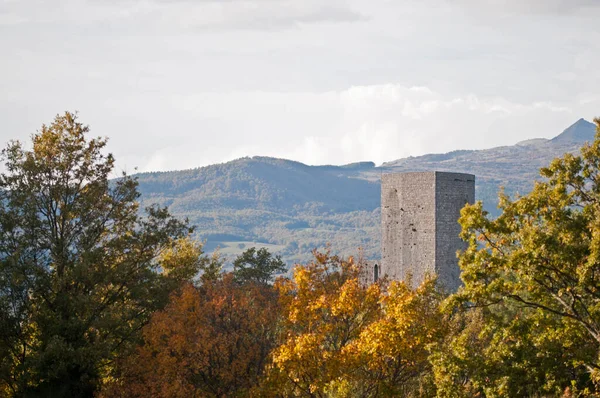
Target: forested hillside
{"type": "Point", "coordinates": [292, 208]}
{"type": "Point", "coordinates": [286, 206]}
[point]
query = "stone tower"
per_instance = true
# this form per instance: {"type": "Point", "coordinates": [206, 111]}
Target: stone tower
{"type": "Point", "coordinates": [419, 216]}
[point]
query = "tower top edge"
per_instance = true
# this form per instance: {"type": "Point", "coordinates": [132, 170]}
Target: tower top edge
{"type": "Point", "coordinates": [428, 173]}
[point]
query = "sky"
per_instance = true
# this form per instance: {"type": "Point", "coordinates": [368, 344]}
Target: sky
{"type": "Point", "coordinates": [177, 84]}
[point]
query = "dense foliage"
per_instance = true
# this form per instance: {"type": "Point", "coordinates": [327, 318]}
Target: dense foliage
{"type": "Point", "coordinates": [323, 333]}
{"type": "Point", "coordinates": [342, 338]}
{"type": "Point", "coordinates": [79, 265]}
{"type": "Point", "coordinates": [535, 273]}
{"type": "Point", "coordinates": [211, 341]}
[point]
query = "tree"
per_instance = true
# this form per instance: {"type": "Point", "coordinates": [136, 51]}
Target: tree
{"type": "Point", "coordinates": [184, 259]}
{"type": "Point", "coordinates": [257, 266]}
{"type": "Point", "coordinates": [339, 337]}
{"type": "Point", "coordinates": [506, 350]}
{"type": "Point", "coordinates": [79, 266]}
{"type": "Point", "coordinates": [211, 341]}
{"type": "Point", "coordinates": [324, 308]}
{"type": "Point", "coordinates": [391, 355]}
{"type": "Point", "coordinates": [212, 267]}
{"type": "Point", "coordinates": [540, 260]}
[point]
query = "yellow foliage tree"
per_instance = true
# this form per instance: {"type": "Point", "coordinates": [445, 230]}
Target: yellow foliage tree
{"type": "Point", "coordinates": [183, 259]}
{"type": "Point", "coordinates": [390, 357]}
{"type": "Point", "coordinates": [342, 338]}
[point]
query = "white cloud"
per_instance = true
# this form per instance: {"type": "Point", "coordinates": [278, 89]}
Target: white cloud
{"type": "Point", "coordinates": [559, 7]}
{"type": "Point", "coordinates": [178, 83]}
{"type": "Point", "coordinates": [179, 15]}
{"type": "Point", "coordinates": [378, 123]}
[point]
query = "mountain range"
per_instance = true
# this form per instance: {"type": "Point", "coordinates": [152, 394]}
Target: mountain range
{"type": "Point", "coordinates": [291, 208]}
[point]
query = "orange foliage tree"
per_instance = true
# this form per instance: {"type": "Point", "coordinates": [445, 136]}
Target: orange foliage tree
{"type": "Point", "coordinates": [339, 337]}
{"type": "Point", "coordinates": [210, 341]}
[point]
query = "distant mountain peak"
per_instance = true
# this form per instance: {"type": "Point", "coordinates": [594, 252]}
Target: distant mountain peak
{"type": "Point", "coordinates": [579, 132]}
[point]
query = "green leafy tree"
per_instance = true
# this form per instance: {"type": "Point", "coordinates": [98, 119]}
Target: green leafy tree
{"type": "Point", "coordinates": [212, 268]}
{"type": "Point", "coordinates": [80, 268]}
{"type": "Point", "coordinates": [509, 351]}
{"type": "Point", "coordinates": [536, 270]}
{"type": "Point", "coordinates": [257, 266]}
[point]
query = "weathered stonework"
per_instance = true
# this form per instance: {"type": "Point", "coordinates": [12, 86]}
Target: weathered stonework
{"type": "Point", "coordinates": [369, 272]}
{"type": "Point", "coordinates": [420, 230]}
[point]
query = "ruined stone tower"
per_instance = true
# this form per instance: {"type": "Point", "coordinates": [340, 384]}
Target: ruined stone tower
{"type": "Point", "coordinates": [419, 216]}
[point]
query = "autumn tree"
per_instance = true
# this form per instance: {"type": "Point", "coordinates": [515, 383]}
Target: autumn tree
{"type": "Point", "coordinates": [211, 341]}
{"type": "Point", "coordinates": [257, 266]}
{"type": "Point", "coordinates": [80, 267]}
{"type": "Point", "coordinates": [536, 272]}
{"type": "Point", "coordinates": [391, 355]}
{"type": "Point", "coordinates": [342, 338]}
{"type": "Point", "coordinates": [184, 260]}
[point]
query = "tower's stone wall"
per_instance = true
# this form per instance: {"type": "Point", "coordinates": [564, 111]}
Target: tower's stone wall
{"type": "Point", "coordinates": [370, 272]}
{"type": "Point", "coordinates": [420, 229]}
{"type": "Point", "coordinates": [408, 225]}
{"type": "Point", "coordinates": [453, 191]}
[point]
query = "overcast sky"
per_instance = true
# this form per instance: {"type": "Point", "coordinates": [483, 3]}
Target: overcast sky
{"type": "Point", "coordinates": [184, 83]}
